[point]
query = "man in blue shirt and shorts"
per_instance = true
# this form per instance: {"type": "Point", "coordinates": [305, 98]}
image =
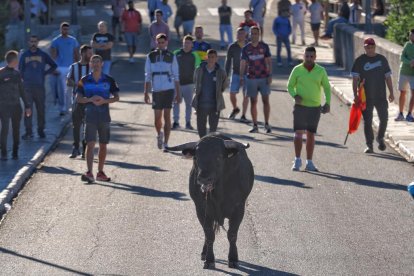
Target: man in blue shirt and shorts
{"type": "Point", "coordinates": [97, 90]}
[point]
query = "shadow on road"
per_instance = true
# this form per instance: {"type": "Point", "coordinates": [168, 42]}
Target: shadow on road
{"type": "Point", "coordinates": [279, 181]}
{"type": "Point", "coordinates": [252, 269]}
{"type": "Point", "coordinates": [130, 166]}
{"type": "Point", "coordinates": [361, 181]}
{"type": "Point", "coordinates": [143, 191]}
{"type": "Point", "coordinates": [58, 170]}
{"type": "Point", "coordinates": [14, 253]}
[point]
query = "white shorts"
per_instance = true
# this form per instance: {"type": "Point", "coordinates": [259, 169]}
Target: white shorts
{"type": "Point", "coordinates": [403, 81]}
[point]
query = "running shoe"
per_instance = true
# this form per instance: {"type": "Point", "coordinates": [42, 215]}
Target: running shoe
{"type": "Point", "coordinates": [369, 149]}
{"type": "Point", "coordinates": [75, 153]}
{"type": "Point", "coordinates": [254, 129]}
{"type": "Point", "coordinates": [409, 118]}
{"type": "Point", "coordinates": [310, 167]}
{"type": "Point", "coordinates": [297, 163]}
{"type": "Point", "coordinates": [175, 125]}
{"type": "Point", "coordinates": [381, 144]}
{"type": "Point", "coordinates": [164, 147]}
{"type": "Point", "coordinates": [234, 113]}
{"type": "Point", "coordinates": [400, 117]}
{"type": "Point", "coordinates": [27, 136]}
{"type": "Point", "coordinates": [88, 177]}
{"type": "Point", "coordinates": [189, 126]}
{"type": "Point", "coordinates": [268, 128]}
{"type": "Point", "coordinates": [101, 176]}
{"type": "Point", "coordinates": [243, 119]}
{"type": "Point", "coordinates": [160, 140]}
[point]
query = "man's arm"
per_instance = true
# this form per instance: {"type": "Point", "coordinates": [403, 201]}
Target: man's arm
{"type": "Point", "coordinates": [242, 70]}
{"type": "Point", "coordinates": [269, 69]}
{"type": "Point", "coordinates": [388, 80]}
{"type": "Point", "coordinates": [147, 84]}
{"type": "Point", "coordinates": [76, 56]}
{"type": "Point", "coordinates": [52, 64]}
{"type": "Point", "coordinates": [228, 61]}
{"type": "Point", "coordinates": [53, 53]}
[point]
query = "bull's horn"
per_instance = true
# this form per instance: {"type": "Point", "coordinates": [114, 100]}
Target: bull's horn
{"type": "Point", "coordinates": [231, 144]}
{"type": "Point", "coordinates": [182, 147]}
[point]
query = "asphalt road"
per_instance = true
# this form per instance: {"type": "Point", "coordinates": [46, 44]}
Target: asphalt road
{"type": "Point", "coordinates": [354, 217]}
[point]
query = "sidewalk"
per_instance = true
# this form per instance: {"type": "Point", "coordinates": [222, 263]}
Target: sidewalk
{"type": "Point", "coordinates": [399, 135]}
{"type": "Point", "coordinates": [14, 173]}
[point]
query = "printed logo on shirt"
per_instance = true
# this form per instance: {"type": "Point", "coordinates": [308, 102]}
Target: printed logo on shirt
{"type": "Point", "coordinates": [369, 66]}
{"type": "Point", "coordinates": [256, 57]}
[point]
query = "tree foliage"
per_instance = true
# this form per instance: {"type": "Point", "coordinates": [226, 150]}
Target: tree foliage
{"type": "Point", "coordinates": [400, 20]}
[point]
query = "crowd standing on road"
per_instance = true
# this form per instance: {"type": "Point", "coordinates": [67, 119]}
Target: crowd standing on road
{"type": "Point", "coordinates": [194, 74]}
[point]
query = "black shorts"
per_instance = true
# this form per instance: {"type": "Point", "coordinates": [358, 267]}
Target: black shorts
{"type": "Point", "coordinates": [306, 118]}
{"type": "Point", "coordinates": [315, 26]}
{"type": "Point", "coordinates": [162, 99]}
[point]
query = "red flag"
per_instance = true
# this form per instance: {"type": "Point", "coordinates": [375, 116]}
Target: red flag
{"type": "Point", "coordinates": [356, 110]}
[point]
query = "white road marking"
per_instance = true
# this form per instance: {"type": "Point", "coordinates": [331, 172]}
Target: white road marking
{"type": "Point", "coordinates": [213, 12]}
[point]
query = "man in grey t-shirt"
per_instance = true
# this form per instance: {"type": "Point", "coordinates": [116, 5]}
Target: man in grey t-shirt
{"type": "Point", "coordinates": [374, 72]}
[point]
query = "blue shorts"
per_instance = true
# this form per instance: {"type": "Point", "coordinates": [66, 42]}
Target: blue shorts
{"type": "Point", "coordinates": [102, 129]}
{"type": "Point", "coordinates": [131, 39]}
{"type": "Point", "coordinates": [253, 86]}
{"type": "Point", "coordinates": [235, 83]}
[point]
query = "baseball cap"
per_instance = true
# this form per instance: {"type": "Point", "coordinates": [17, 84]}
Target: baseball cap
{"type": "Point", "coordinates": [369, 41]}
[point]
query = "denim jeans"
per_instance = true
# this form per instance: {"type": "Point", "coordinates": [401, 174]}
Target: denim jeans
{"type": "Point", "coordinates": [187, 94]}
{"type": "Point", "coordinates": [279, 41]}
{"type": "Point", "coordinates": [106, 69]}
{"type": "Point", "coordinates": [188, 27]}
{"type": "Point", "coordinates": [229, 31]}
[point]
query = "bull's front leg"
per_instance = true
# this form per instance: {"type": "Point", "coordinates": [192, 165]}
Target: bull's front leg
{"type": "Point", "coordinates": [234, 224]}
{"type": "Point", "coordinates": [207, 255]}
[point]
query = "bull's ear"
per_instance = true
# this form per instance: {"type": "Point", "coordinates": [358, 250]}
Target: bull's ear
{"type": "Point", "coordinates": [188, 153]}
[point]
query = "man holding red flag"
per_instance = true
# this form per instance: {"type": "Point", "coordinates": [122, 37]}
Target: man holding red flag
{"type": "Point", "coordinates": [373, 69]}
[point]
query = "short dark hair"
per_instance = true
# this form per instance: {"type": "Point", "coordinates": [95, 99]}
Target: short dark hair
{"type": "Point", "coordinates": [310, 49]}
{"type": "Point", "coordinates": [198, 27]}
{"type": "Point", "coordinates": [240, 29]}
{"type": "Point", "coordinates": [11, 56]}
{"type": "Point", "coordinates": [254, 28]}
{"type": "Point", "coordinates": [158, 11]}
{"type": "Point", "coordinates": [64, 24]}
{"type": "Point", "coordinates": [188, 37]}
{"type": "Point", "coordinates": [412, 31]}
{"type": "Point", "coordinates": [34, 36]}
{"type": "Point", "coordinates": [211, 51]}
{"type": "Point", "coordinates": [161, 35]}
{"type": "Point", "coordinates": [85, 48]}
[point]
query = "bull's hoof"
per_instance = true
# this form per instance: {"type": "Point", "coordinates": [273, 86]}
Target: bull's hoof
{"type": "Point", "coordinates": [203, 257]}
{"type": "Point", "coordinates": [211, 265]}
{"type": "Point", "coordinates": [233, 264]}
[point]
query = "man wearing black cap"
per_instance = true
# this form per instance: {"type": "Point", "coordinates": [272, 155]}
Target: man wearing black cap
{"type": "Point", "coordinates": [374, 72]}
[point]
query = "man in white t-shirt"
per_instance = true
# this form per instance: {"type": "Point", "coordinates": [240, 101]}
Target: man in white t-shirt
{"type": "Point", "coordinates": [298, 11]}
{"type": "Point", "coordinates": [258, 7]}
{"type": "Point", "coordinates": [316, 15]}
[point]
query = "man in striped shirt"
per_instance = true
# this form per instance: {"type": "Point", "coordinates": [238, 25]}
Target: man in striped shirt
{"type": "Point", "coordinates": [76, 71]}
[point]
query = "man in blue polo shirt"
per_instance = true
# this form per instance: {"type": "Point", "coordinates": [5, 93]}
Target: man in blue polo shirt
{"type": "Point", "coordinates": [96, 90]}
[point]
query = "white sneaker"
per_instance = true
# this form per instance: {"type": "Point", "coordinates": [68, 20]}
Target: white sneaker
{"type": "Point", "coordinates": [160, 140]}
{"type": "Point", "coordinates": [164, 147]}
{"type": "Point", "coordinates": [310, 167]}
{"type": "Point", "coordinates": [297, 164]}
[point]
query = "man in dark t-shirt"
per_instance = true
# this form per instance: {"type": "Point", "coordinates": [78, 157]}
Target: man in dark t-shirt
{"type": "Point", "coordinates": [224, 12]}
{"type": "Point", "coordinates": [102, 43]}
{"type": "Point", "coordinates": [374, 72]}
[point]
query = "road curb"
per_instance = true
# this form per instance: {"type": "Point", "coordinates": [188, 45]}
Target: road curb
{"type": "Point", "coordinates": [12, 190]}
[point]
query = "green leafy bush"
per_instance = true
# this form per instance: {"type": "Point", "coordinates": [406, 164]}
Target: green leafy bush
{"type": "Point", "coordinates": [400, 20]}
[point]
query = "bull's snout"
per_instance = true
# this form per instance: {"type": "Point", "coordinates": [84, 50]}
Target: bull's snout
{"type": "Point", "coordinates": [206, 184]}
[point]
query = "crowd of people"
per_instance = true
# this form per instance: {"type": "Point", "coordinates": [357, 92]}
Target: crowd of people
{"type": "Point", "coordinates": [80, 75]}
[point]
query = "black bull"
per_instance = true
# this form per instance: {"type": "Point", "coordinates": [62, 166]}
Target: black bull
{"type": "Point", "coordinates": [220, 182]}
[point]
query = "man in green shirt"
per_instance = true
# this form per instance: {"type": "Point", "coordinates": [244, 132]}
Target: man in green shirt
{"type": "Point", "coordinates": [304, 85]}
{"type": "Point", "coordinates": [406, 77]}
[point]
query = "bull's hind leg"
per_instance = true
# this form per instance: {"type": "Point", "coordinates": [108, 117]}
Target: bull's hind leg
{"type": "Point", "coordinates": [234, 224]}
{"type": "Point", "coordinates": [207, 255]}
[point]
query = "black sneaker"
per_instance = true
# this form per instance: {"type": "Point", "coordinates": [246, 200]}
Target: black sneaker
{"type": "Point", "coordinates": [254, 129]}
{"type": "Point", "coordinates": [381, 144]}
{"type": "Point", "coordinates": [15, 156]}
{"type": "Point", "coordinates": [189, 126]}
{"type": "Point", "coordinates": [175, 125]}
{"type": "Point", "coordinates": [243, 119]}
{"type": "Point", "coordinates": [42, 134]}
{"type": "Point", "coordinates": [75, 153]}
{"type": "Point", "coordinates": [268, 128]}
{"type": "Point", "coordinates": [369, 149]}
{"type": "Point", "coordinates": [27, 136]}
{"type": "Point", "coordinates": [234, 113]}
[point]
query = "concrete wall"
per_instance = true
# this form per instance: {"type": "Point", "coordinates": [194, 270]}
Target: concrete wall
{"type": "Point", "coordinates": [349, 44]}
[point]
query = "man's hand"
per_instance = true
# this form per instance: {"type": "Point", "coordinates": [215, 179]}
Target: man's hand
{"type": "Point", "coordinates": [28, 112]}
{"type": "Point", "coordinates": [325, 108]}
{"type": "Point", "coordinates": [241, 81]}
{"type": "Point", "coordinates": [298, 99]}
{"type": "Point", "coordinates": [146, 98]}
{"type": "Point", "coordinates": [391, 97]}
{"type": "Point", "coordinates": [98, 100]}
{"type": "Point", "coordinates": [178, 98]}
{"type": "Point", "coordinates": [269, 80]}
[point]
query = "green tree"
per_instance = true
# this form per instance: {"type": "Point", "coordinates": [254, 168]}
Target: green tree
{"type": "Point", "coordinates": [400, 20]}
